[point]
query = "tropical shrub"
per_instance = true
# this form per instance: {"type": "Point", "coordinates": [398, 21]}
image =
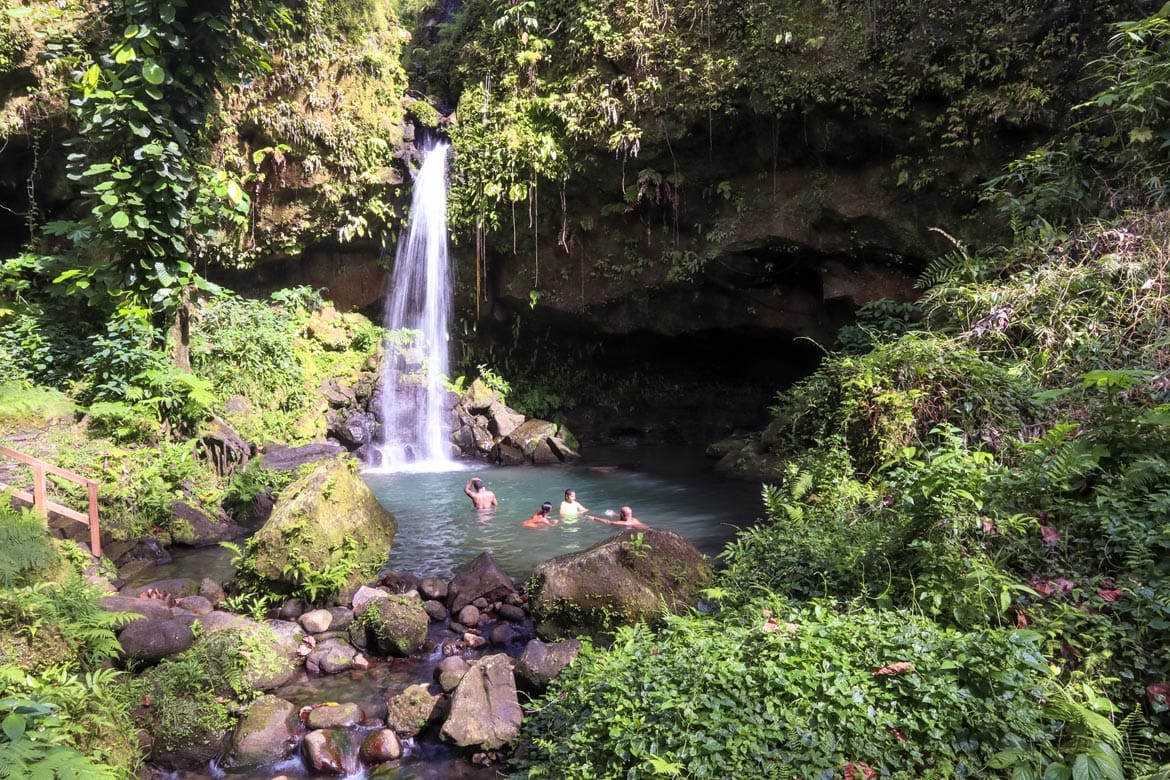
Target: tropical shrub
{"type": "Point", "coordinates": [810, 691]}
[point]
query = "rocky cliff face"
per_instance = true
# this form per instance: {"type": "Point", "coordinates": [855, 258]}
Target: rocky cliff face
{"type": "Point", "coordinates": [689, 188]}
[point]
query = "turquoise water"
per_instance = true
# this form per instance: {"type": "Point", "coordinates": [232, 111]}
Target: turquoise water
{"type": "Point", "coordinates": [439, 530]}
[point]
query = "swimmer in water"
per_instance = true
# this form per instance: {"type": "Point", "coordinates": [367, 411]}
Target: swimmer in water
{"type": "Point", "coordinates": [570, 507]}
{"type": "Point", "coordinates": [541, 519]}
{"type": "Point", "coordinates": [479, 494]}
{"type": "Point", "coordinates": [625, 518]}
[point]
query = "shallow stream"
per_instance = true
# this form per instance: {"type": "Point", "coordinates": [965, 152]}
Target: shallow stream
{"type": "Point", "coordinates": [438, 531]}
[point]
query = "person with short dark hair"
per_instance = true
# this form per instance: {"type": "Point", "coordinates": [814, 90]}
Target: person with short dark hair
{"type": "Point", "coordinates": [477, 491]}
{"type": "Point", "coordinates": [625, 518]}
{"type": "Point", "coordinates": [541, 519]}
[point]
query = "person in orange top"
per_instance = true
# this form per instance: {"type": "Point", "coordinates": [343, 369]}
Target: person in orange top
{"type": "Point", "coordinates": [541, 519]}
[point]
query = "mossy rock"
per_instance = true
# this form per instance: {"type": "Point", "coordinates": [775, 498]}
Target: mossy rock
{"type": "Point", "coordinates": [631, 577]}
{"type": "Point", "coordinates": [396, 626]}
{"type": "Point", "coordinates": [325, 519]}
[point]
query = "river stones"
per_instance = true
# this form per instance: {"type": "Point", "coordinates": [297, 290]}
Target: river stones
{"type": "Point", "coordinates": [411, 711]}
{"type": "Point", "coordinates": [482, 578]}
{"type": "Point", "coordinates": [266, 734]}
{"type": "Point", "coordinates": [485, 708]}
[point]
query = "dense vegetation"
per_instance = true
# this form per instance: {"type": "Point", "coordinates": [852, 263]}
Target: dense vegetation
{"type": "Point", "coordinates": [995, 475]}
{"type": "Point", "coordinates": [963, 570]}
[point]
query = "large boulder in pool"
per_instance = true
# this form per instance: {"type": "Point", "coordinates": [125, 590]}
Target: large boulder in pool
{"type": "Point", "coordinates": [619, 581]}
{"type": "Point", "coordinates": [325, 520]}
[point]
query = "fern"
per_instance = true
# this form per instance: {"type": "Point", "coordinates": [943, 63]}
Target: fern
{"type": "Point", "coordinates": [25, 549]}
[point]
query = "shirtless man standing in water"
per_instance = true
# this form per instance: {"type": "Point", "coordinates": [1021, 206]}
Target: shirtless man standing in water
{"type": "Point", "coordinates": [625, 517]}
{"type": "Point", "coordinates": [479, 494]}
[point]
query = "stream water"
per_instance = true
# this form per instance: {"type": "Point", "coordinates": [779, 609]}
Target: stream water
{"type": "Point", "coordinates": [438, 531]}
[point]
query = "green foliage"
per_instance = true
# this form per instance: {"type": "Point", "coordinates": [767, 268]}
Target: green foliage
{"type": "Point", "coordinates": [878, 321]}
{"type": "Point", "coordinates": [192, 698]}
{"type": "Point", "coordinates": [30, 744]}
{"type": "Point", "coordinates": [299, 578]}
{"type": "Point", "coordinates": [891, 397]}
{"type": "Point", "coordinates": [247, 485]}
{"type": "Point", "coordinates": [1113, 156]}
{"type": "Point", "coordinates": [141, 100]}
{"type": "Point", "coordinates": [794, 692]}
{"type": "Point", "coordinates": [24, 405]}
{"type": "Point", "coordinates": [26, 553]}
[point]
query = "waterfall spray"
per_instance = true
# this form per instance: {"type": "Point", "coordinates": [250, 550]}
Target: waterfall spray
{"type": "Point", "coordinates": [418, 309]}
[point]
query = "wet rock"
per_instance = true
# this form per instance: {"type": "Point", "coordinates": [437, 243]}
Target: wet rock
{"type": "Point", "coordinates": [265, 735]}
{"type": "Point", "coordinates": [541, 662]}
{"type": "Point", "coordinates": [399, 582]}
{"type": "Point", "coordinates": [335, 716]}
{"type": "Point", "coordinates": [432, 589]}
{"type": "Point", "coordinates": [331, 751]}
{"type": "Point", "coordinates": [411, 711]}
{"type": "Point", "coordinates": [483, 578]}
{"type": "Point", "coordinates": [502, 635]}
{"type": "Point", "coordinates": [469, 615]}
{"type": "Point", "coordinates": [396, 626]}
{"type": "Point", "coordinates": [149, 608]}
{"type": "Point", "coordinates": [293, 608]}
{"type": "Point", "coordinates": [511, 613]}
{"type": "Point", "coordinates": [435, 610]}
{"type": "Point", "coordinates": [485, 709]}
{"type": "Point", "coordinates": [149, 641]}
{"type": "Point", "coordinates": [331, 657]}
{"type": "Point", "coordinates": [450, 671]}
{"type": "Point", "coordinates": [380, 746]}
{"type": "Point", "coordinates": [316, 621]}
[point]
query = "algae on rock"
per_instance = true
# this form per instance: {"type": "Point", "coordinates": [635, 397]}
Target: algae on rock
{"type": "Point", "coordinates": [326, 527]}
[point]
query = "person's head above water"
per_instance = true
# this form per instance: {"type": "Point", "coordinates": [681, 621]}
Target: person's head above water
{"type": "Point", "coordinates": [570, 494]}
{"type": "Point", "coordinates": [625, 513]}
{"type": "Point", "coordinates": [545, 508]}
{"type": "Point", "coordinates": [477, 483]}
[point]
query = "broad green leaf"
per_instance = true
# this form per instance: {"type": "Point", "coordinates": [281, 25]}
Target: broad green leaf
{"type": "Point", "coordinates": [131, 31]}
{"type": "Point", "coordinates": [119, 220]}
{"type": "Point", "coordinates": [153, 72]}
{"type": "Point", "coordinates": [14, 726]}
{"type": "Point", "coordinates": [234, 193]}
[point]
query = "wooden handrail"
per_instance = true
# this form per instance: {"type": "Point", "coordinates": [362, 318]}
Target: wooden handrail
{"type": "Point", "coordinates": [39, 499]}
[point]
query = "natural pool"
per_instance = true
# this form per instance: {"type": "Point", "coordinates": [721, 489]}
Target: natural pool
{"type": "Point", "coordinates": [670, 488]}
{"type": "Point", "coordinates": [438, 531]}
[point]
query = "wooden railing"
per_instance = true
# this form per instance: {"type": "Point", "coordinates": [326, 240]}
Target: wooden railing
{"type": "Point", "coordinates": [38, 499]}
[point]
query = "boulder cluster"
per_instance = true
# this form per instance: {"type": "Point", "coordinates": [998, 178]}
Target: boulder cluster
{"type": "Point", "coordinates": [474, 631]}
{"type": "Point", "coordinates": [482, 426]}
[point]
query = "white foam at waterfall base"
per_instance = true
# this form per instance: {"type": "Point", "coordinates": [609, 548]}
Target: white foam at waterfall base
{"type": "Point", "coordinates": [417, 313]}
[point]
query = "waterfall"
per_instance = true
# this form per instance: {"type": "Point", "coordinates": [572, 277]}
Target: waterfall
{"type": "Point", "coordinates": [417, 310]}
